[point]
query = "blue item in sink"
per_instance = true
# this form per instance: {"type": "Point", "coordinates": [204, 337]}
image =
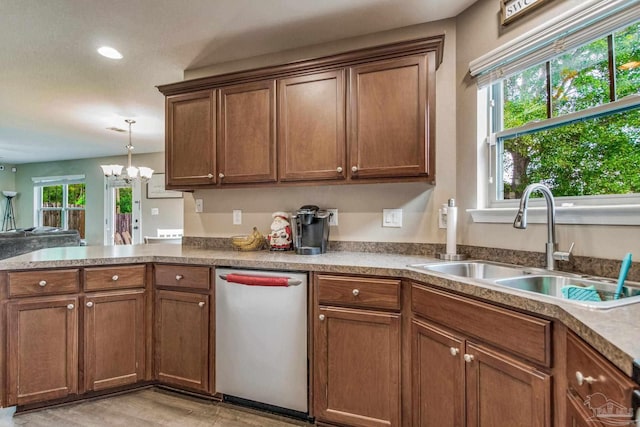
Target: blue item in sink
{"type": "Point", "coordinates": [581, 293]}
{"type": "Point", "coordinates": [624, 270]}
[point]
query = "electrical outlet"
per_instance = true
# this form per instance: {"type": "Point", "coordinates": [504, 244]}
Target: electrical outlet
{"type": "Point", "coordinates": [442, 217]}
{"type": "Point", "coordinates": [392, 218]}
{"type": "Point", "coordinates": [237, 217]}
{"type": "Point", "coordinates": [333, 219]}
{"type": "Point", "coordinates": [199, 205]}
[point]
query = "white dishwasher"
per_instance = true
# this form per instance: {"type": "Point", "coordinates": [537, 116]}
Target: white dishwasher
{"type": "Point", "coordinates": [261, 339]}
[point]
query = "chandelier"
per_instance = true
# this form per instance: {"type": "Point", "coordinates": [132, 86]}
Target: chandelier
{"type": "Point", "coordinates": [132, 172]}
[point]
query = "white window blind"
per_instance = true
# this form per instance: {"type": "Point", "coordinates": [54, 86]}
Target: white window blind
{"type": "Point", "coordinates": [46, 181]}
{"type": "Point", "coordinates": [582, 24]}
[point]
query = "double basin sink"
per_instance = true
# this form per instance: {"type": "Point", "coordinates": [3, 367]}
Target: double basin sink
{"type": "Point", "coordinates": [540, 281]}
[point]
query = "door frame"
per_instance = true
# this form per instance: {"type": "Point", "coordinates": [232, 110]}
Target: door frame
{"type": "Point", "coordinates": [110, 207]}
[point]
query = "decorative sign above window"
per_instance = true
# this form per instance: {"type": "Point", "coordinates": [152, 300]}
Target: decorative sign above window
{"type": "Point", "coordinates": [514, 9]}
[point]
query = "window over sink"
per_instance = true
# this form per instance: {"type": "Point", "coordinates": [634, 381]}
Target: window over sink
{"type": "Point", "coordinates": [567, 114]}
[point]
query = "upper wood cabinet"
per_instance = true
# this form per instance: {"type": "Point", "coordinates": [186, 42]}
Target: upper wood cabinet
{"type": "Point", "coordinates": [247, 133]}
{"type": "Point", "coordinates": [361, 116]}
{"type": "Point", "coordinates": [311, 132]}
{"type": "Point", "coordinates": [389, 102]}
{"type": "Point", "coordinates": [190, 140]}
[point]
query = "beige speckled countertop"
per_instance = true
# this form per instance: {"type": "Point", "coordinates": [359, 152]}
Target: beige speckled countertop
{"type": "Point", "coordinates": [615, 333]}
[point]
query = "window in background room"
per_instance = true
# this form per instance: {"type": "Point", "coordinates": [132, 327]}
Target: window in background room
{"type": "Point", "coordinates": [60, 202]}
{"type": "Point", "coordinates": [571, 122]}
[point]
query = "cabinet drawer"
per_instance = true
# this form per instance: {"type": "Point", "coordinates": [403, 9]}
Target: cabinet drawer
{"type": "Point", "coordinates": [30, 283]}
{"type": "Point", "coordinates": [182, 276]}
{"type": "Point", "coordinates": [359, 291]}
{"type": "Point", "coordinates": [600, 375]}
{"type": "Point", "coordinates": [523, 335]}
{"type": "Point", "coordinates": [106, 278]}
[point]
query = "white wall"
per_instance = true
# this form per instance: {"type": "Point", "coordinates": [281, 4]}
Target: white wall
{"type": "Point", "coordinates": [360, 206]}
{"type": "Point", "coordinates": [171, 210]}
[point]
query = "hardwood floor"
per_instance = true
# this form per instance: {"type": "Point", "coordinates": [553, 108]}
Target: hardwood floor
{"type": "Point", "coordinates": [150, 407]}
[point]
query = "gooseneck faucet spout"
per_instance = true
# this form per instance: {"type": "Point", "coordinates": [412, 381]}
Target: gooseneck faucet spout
{"type": "Point", "coordinates": [551, 252]}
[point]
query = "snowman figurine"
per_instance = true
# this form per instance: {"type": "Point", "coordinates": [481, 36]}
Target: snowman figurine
{"type": "Point", "coordinates": [280, 236]}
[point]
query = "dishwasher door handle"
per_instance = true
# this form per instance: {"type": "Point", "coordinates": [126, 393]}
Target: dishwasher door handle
{"type": "Point", "coordinates": [248, 279]}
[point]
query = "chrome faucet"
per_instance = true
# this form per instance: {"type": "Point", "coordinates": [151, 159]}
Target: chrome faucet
{"type": "Point", "coordinates": [551, 252]}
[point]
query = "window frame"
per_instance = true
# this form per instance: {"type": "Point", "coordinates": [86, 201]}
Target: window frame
{"type": "Point", "coordinates": [64, 181]}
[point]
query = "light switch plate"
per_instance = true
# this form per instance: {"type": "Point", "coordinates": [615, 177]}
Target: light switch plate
{"type": "Point", "coordinates": [155, 211]}
{"type": "Point", "coordinates": [199, 205]}
{"type": "Point", "coordinates": [237, 217]}
{"type": "Point", "coordinates": [392, 218]}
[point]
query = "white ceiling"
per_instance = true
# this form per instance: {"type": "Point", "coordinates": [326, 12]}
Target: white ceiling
{"type": "Point", "coordinates": [58, 96]}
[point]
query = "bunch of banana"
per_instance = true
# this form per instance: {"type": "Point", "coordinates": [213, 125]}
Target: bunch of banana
{"type": "Point", "coordinates": [252, 242]}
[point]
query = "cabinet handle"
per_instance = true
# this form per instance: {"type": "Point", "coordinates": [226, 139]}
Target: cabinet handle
{"type": "Point", "coordinates": [354, 169]}
{"type": "Point", "coordinates": [339, 169]}
{"type": "Point", "coordinates": [89, 304]}
{"type": "Point", "coordinates": [454, 351]}
{"type": "Point", "coordinates": [321, 317]}
{"type": "Point", "coordinates": [179, 277]}
{"type": "Point", "coordinates": [115, 277]}
{"type": "Point", "coordinates": [355, 292]}
{"type": "Point", "coordinates": [582, 379]}
{"type": "Point", "coordinates": [221, 175]}
{"type": "Point", "coordinates": [70, 307]}
{"type": "Point", "coordinates": [210, 176]}
{"type": "Point", "coordinates": [468, 358]}
{"type": "Point", "coordinates": [42, 283]}
{"type": "Point", "coordinates": [201, 304]}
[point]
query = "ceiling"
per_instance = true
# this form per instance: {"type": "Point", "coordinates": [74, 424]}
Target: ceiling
{"type": "Point", "coordinates": [58, 96]}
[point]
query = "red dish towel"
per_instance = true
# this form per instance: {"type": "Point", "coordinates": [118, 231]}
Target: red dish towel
{"type": "Point", "coordinates": [257, 281]}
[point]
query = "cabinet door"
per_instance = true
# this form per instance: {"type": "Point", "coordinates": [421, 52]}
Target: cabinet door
{"type": "Point", "coordinates": [577, 415]}
{"type": "Point", "coordinates": [357, 367]}
{"type": "Point", "coordinates": [190, 139]}
{"type": "Point", "coordinates": [182, 339]}
{"type": "Point", "coordinates": [246, 134]}
{"type": "Point", "coordinates": [437, 370]}
{"type": "Point", "coordinates": [311, 127]}
{"type": "Point", "coordinates": [42, 349]}
{"type": "Point", "coordinates": [114, 339]}
{"type": "Point", "coordinates": [388, 110]}
{"type": "Point", "coordinates": [504, 392]}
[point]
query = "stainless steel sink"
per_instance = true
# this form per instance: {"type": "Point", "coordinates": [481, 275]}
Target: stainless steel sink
{"type": "Point", "coordinates": [552, 284]}
{"type": "Point", "coordinates": [537, 281]}
{"type": "Point", "coordinates": [473, 269]}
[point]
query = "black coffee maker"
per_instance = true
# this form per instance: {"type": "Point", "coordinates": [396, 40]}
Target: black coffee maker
{"type": "Point", "coordinates": [310, 229]}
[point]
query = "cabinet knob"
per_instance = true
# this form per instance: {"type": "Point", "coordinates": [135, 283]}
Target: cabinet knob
{"type": "Point", "coordinates": [89, 304]}
{"type": "Point", "coordinates": [339, 169]}
{"type": "Point", "coordinates": [582, 379]}
{"type": "Point", "coordinates": [355, 292]}
{"type": "Point", "coordinates": [468, 358]}
{"type": "Point", "coordinates": [179, 277]}
{"type": "Point", "coordinates": [115, 277]}
{"type": "Point", "coordinates": [454, 351]}
{"type": "Point", "coordinates": [201, 304]}
{"type": "Point", "coordinates": [220, 175]}
{"type": "Point", "coordinates": [321, 317]}
{"type": "Point", "coordinates": [354, 169]}
{"type": "Point", "coordinates": [42, 283]}
{"type": "Point", "coordinates": [210, 176]}
{"type": "Point", "coordinates": [71, 307]}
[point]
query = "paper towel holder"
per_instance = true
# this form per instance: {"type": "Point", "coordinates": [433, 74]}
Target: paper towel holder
{"type": "Point", "coordinates": [447, 256]}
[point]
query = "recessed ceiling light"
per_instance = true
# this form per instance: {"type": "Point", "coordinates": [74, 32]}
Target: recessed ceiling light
{"type": "Point", "coordinates": [109, 52]}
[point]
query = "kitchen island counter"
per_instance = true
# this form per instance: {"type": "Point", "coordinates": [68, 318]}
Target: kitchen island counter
{"type": "Point", "coordinates": [612, 332]}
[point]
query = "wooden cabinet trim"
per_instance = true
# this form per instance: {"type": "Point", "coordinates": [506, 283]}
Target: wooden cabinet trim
{"type": "Point", "coordinates": [412, 47]}
{"type": "Point", "coordinates": [114, 277]}
{"type": "Point", "coordinates": [521, 334]}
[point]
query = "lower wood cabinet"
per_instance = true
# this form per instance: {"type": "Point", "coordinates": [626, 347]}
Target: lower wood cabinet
{"type": "Point", "coordinates": [357, 356]}
{"type": "Point", "coordinates": [114, 339]}
{"type": "Point", "coordinates": [42, 349]}
{"type": "Point", "coordinates": [182, 339]}
{"type": "Point", "coordinates": [458, 382]}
